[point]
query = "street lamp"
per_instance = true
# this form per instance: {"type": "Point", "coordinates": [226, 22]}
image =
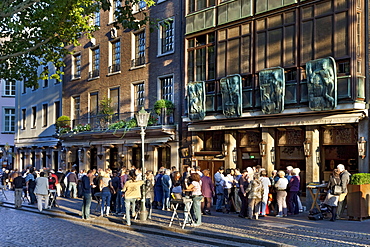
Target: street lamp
{"type": "Point", "coordinates": [142, 118]}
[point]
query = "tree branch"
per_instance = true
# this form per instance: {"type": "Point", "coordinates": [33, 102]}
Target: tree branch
{"type": "Point", "coordinates": [19, 8]}
{"type": "Point", "coordinates": [3, 58]}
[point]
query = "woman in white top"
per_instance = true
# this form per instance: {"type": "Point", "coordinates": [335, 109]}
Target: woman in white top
{"type": "Point", "coordinates": [281, 194]}
{"type": "Point", "coordinates": [42, 191]}
{"type": "Point", "coordinates": [266, 183]}
{"type": "Point", "coordinates": [105, 188]}
{"type": "Point", "coordinates": [196, 188]}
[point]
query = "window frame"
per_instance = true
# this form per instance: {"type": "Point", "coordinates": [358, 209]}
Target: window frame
{"type": "Point", "coordinates": [162, 40]}
{"type": "Point", "coordinates": [9, 117]}
{"type": "Point", "coordinates": [9, 87]}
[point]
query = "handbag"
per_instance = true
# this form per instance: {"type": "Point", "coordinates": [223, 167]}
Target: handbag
{"type": "Point", "coordinates": [337, 189]}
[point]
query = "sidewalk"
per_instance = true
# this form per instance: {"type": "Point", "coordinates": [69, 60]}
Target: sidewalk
{"type": "Point", "coordinates": [268, 231]}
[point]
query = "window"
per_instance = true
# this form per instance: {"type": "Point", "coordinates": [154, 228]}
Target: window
{"type": "Point", "coordinates": [116, 57]}
{"type": "Point", "coordinates": [115, 5]}
{"type": "Point", "coordinates": [95, 62]}
{"type": "Point", "coordinates": [167, 88]}
{"type": "Point", "coordinates": [195, 5]}
{"type": "Point", "coordinates": [76, 66]}
{"type": "Point", "coordinates": [46, 80]}
{"type": "Point", "coordinates": [44, 115]}
{"type": "Point", "coordinates": [23, 123]}
{"type": "Point", "coordinates": [114, 96]}
{"type": "Point", "coordinates": [9, 88]}
{"type": "Point", "coordinates": [166, 43]}
{"type": "Point", "coordinates": [57, 110]}
{"type": "Point", "coordinates": [139, 96]}
{"type": "Point", "coordinates": [139, 49]}
{"type": "Point", "coordinates": [94, 104]}
{"type": "Point", "coordinates": [140, 6]}
{"type": "Point", "coordinates": [76, 107]}
{"type": "Point", "coordinates": [34, 117]}
{"type": "Point", "coordinates": [9, 120]}
{"type": "Point", "coordinates": [96, 19]}
{"type": "Point", "coordinates": [201, 58]}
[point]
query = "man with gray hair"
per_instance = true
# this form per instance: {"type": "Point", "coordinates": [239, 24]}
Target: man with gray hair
{"type": "Point", "coordinates": [344, 181]}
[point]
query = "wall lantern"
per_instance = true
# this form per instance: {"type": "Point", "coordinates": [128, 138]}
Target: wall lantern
{"type": "Point", "coordinates": [272, 153]}
{"type": "Point", "coordinates": [262, 145]}
{"type": "Point", "coordinates": [361, 144]}
{"type": "Point", "coordinates": [307, 148]}
{"type": "Point", "coordinates": [318, 157]}
{"type": "Point", "coordinates": [234, 155]}
{"type": "Point", "coordinates": [224, 149]}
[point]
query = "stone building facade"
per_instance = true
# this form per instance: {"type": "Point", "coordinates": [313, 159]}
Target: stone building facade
{"type": "Point", "coordinates": [277, 84]}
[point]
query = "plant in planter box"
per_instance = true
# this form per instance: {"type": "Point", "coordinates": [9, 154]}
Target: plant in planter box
{"type": "Point", "coordinates": [161, 104]}
{"type": "Point", "coordinates": [358, 197]}
{"type": "Point", "coordinates": [63, 124]}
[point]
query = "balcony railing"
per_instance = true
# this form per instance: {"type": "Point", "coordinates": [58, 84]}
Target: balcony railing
{"type": "Point", "coordinates": [94, 73]}
{"type": "Point", "coordinates": [138, 61]}
{"type": "Point", "coordinates": [98, 123]}
{"type": "Point", "coordinates": [114, 68]}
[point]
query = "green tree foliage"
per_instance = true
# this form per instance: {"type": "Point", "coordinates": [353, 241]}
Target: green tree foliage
{"type": "Point", "coordinates": [35, 32]}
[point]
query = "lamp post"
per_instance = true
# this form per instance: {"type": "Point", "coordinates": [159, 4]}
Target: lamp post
{"type": "Point", "coordinates": [142, 118]}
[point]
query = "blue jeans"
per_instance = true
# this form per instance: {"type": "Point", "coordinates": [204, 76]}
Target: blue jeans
{"type": "Point", "coordinates": [72, 186]}
{"type": "Point", "coordinates": [105, 199]}
{"type": "Point", "coordinates": [197, 209]}
{"type": "Point", "coordinates": [32, 195]}
{"type": "Point", "coordinates": [166, 199]}
{"type": "Point", "coordinates": [119, 205]}
{"type": "Point", "coordinates": [219, 202]}
{"type": "Point", "coordinates": [86, 203]}
{"type": "Point", "coordinates": [130, 204]}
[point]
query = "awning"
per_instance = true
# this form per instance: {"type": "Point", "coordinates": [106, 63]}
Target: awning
{"type": "Point", "coordinates": [281, 121]}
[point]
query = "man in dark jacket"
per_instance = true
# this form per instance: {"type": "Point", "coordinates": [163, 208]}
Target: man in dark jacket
{"type": "Point", "coordinates": [86, 194]}
{"type": "Point", "coordinates": [18, 183]}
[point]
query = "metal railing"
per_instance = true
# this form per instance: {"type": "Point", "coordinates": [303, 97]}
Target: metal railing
{"type": "Point", "coordinates": [114, 68]}
{"type": "Point", "coordinates": [94, 73]}
{"type": "Point", "coordinates": [98, 122]}
{"type": "Point", "coordinates": [138, 61]}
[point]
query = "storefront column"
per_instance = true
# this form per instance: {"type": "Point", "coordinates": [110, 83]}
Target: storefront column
{"type": "Point", "coordinates": [268, 137]}
{"type": "Point", "coordinates": [363, 130]}
{"type": "Point", "coordinates": [175, 161]}
{"type": "Point", "coordinates": [230, 142]}
{"type": "Point", "coordinates": [197, 144]}
{"type": "Point", "coordinates": [106, 156]}
{"type": "Point", "coordinates": [85, 156]}
{"type": "Point", "coordinates": [312, 167]}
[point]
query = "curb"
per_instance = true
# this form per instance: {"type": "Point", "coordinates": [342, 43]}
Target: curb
{"type": "Point", "coordinates": [149, 228]}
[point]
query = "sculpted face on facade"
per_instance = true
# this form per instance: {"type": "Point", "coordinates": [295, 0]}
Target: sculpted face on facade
{"type": "Point", "coordinates": [272, 88]}
{"type": "Point", "coordinates": [322, 84]}
{"type": "Point", "coordinates": [196, 100]}
{"type": "Point", "coordinates": [231, 90]}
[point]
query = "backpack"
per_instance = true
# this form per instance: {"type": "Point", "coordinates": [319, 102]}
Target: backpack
{"type": "Point", "coordinates": [315, 214]}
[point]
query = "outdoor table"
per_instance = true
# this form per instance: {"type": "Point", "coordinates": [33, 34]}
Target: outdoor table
{"type": "Point", "coordinates": [315, 194]}
{"type": "Point", "coordinates": [187, 203]}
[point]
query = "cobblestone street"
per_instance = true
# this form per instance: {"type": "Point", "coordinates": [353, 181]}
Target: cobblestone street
{"type": "Point", "coordinates": [59, 225]}
{"type": "Point", "coordinates": [22, 228]}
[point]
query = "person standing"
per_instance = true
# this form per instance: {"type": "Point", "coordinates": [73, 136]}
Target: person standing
{"type": "Point", "coordinates": [87, 185]}
{"type": "Point", "coordinates": [72, 183]}
{"type": "Point", "coordinates": [166, 186]}
{"type": "Point", "coordinates": [31, 184]}
{"type": "Point", "coordinates": [18, 183]}
{"type": "Point", "coordinates": [243, 185]}
{"type": "Point", "coordinates": [196, 188]}
{"type": "Point", "coordinates": [208, 192]}
{"type": "Point", "coordinates": [293, 188]}
{"type": "Point", "coordinates": [255, 190]}
{"type": "Point", "coordinates": [132, 192]}
{"type": "Point", "coordinates": [344, 181]}
{"type": "Point", "coordinates": [280, 187]}
{"type": "Point", "coordinates": [42, 191]}
{"type": "Point", "coordinates": [266, 185]}
{"type": "Point", "coordinates": [105, 188]}
{"type": "Point", "coordinates": [220, 183]}
{"type": "Point", "coordinates": [332, 199]}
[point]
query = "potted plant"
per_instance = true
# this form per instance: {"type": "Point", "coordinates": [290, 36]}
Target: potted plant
{"type": "Point", "coordinates": [63, 124]}
{"type": "Point", "coordinates": [163, 104]}
{"type": "Point", "coordinates": [358, 197]}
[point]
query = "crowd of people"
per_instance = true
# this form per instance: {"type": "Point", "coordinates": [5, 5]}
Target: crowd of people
{"type": "Point", "coordinates": [250, 193]}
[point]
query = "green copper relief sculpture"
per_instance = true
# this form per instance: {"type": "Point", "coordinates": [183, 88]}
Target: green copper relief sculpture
{"type": "Point", "coordinates": [322, 84]}
{"type": "Point", "coordinates": [272, 88]}
{"type": "Point", "coordinates": [231, 90]}
{"type": "Point", "coordinates": [196, 100]}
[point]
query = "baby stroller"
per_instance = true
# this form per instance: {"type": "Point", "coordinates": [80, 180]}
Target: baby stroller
{"type": "Point", "coordinates": [326, 210]}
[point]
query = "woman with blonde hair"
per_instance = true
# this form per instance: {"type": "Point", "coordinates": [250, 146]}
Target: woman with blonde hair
{"type": "Point", "coordinates": [281, 186]}
{"type": "Point", "coordinates": [105, 188]}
